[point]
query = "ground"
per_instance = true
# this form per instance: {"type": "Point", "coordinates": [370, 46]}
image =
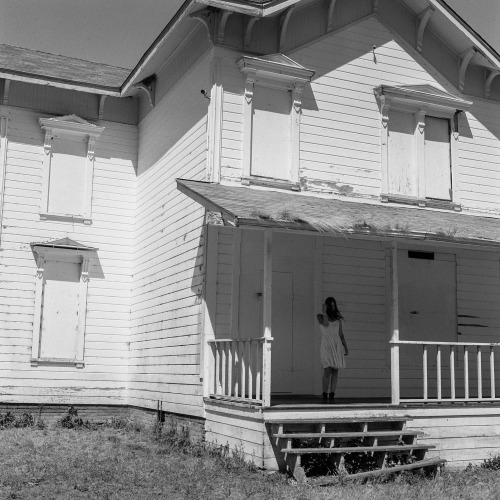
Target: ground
{"type": "Point", "coordinates": [117, 462]}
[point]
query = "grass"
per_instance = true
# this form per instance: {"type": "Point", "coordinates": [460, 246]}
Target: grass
{"type": "Point", "coordinates": [123, 462]}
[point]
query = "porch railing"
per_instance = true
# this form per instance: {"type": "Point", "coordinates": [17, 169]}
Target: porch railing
{"type": "Point", "coordinates": [450, 371]}
{"type": "Point", "coordinates": [241, 370]}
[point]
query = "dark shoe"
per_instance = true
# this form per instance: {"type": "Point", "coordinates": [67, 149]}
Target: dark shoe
{"type": "Point", "coordinates": [324, 397]}
{"type": "Point", "coordinates": [331, 397]}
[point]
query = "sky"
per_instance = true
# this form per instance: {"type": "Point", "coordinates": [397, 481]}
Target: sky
{"type": "Point", "coordinates": [118, 32]}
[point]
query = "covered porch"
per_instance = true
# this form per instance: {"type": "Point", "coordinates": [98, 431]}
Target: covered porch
{"type": "Point", "coordinates": [418, 290]}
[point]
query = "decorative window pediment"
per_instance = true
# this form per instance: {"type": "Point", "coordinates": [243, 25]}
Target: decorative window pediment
{"type": "Point", "coordinates": [427, 96]}
{"type": "Point", "coordinates": [68, 167]}
{"type": "Point", "coordinates": [60, 301]}
{"type": "Point", "coordinates": [420, 134]}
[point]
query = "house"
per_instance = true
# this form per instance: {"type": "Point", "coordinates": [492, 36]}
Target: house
{"type": "Point", "coordinates": [169, 234]}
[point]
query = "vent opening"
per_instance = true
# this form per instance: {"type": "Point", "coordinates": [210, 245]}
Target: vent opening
{"type": "Point", "coordinates": [412, 254]}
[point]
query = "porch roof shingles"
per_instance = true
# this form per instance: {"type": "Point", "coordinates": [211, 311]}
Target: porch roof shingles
{"type": "Point", "coordinates": [264, 207]}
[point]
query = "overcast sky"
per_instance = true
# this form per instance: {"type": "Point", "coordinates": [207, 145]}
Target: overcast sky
{"type": "Point", "coordinates": [118, 32]}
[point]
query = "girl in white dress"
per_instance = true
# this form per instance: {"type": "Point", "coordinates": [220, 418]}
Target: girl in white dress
{"type": "Point", "coordinates": [332, 341]}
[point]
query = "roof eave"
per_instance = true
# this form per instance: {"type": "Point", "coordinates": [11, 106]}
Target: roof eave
{"type": "Point", "coordinates": [59, 82]}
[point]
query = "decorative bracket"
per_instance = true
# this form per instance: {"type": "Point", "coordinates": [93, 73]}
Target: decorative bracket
{"type": "Point", "coordinates": [223, 17]}
{"type": "Point", "coordinates": [422, 21]}
{"type": "Point", "coordinates": [248, 31]}
{"type": "Point", "coordinates": [85, 270]}
{"type": "Point", "coordinates": [284, 20]}
{"type": "Point", "coordinates": [329, 17]}
{"type": "Point", "coordinates": [376, 4]}
{"type": "Point", "coordinates": [466, 58]}
{"type": "Point", "coordinates": [249, 85]}
{"type": "Point", "coordinates": [47, 145]}
{"type": "Point", "coordinates": [40, 265]}
{"type": "Point", "coordinates": [298, 88]}
{"type": "Point", "coordinates": [385, 105]}
{"type": "Point", "coordinates": [102, 100]}
{"type": "Point", "coordinates": [205, 17]}
{"type": "Point", "coordinates": [91, 148]}
{"type": "Point", "coordinates": [147, 85]}
{"type": "Point", "coordinates": [421, 119]}
{"type": "Point", "coordinates": [489, 80]}
{"type": "Point", "coordinates": [6, 87]}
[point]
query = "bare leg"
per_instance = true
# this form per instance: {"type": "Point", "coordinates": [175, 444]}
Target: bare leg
{"type": "Point", "coordinates": [334, 379]}
{"type": "Point", "coordinates": [327, 375]}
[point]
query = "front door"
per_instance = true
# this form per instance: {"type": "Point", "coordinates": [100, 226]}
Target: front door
{"type": "Point", "coordinates": [427, 311]}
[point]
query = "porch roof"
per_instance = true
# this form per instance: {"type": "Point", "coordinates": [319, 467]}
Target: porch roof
{"type": "Point", "coordinates": [253, 206]}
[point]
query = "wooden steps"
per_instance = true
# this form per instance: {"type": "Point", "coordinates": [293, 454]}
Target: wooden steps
{"type": "Point", "coordinates": [347, 445]}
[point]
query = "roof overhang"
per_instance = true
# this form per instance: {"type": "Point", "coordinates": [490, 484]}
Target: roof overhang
{"type": "Point", "coordinates": [251, 206]}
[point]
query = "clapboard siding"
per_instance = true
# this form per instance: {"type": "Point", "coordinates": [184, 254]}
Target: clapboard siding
{"type": "Point", "coordinates": [109, 290]}
{"type": "Point", "coordinates": [168, 270]}
{"type": "Point", "coordinates": [355, 273]}
{"type": "Point", "coordinates": [340, 147]}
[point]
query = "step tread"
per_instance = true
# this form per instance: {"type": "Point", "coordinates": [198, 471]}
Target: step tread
{"type": "Point", "coordinates": [306, 435]}
{"type": "Point", "coordinates": [358, 449]}
{"type": "Point", "coordinates": [388, 470]}
{"type": "Point", "coordinates": [335, 420]}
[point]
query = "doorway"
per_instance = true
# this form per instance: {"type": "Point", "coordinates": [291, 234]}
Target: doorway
{"type": "Point", "coordinates": [427, 312]}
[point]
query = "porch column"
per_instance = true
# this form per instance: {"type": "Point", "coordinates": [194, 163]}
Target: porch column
{"type": "Point", "coordinates": [395, 388]}
{"type": "Point", "coordinates": [267, 313]}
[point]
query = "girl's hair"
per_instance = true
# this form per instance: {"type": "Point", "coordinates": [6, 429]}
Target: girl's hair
{"type": "Point", "coordinates": [332, 310]}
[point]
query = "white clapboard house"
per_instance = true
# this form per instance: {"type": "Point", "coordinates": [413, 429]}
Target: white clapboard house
{"type": "Point", "coordinates": [169, 233]}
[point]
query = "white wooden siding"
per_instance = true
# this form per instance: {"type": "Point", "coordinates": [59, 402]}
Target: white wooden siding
{"type": "Point", "coordinates": [103, 380]}
{"type": "Point", "coordinates": [169, 240]}
{"type": "Point", "coordinates": [354, 272]}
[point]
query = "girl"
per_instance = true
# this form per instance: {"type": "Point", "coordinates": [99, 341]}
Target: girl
{"type": "Point", "coordinates": [332, 354]}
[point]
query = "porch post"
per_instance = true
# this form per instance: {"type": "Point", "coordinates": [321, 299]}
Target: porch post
{"type": "Point", "coordinates": [267, 316]}
{"type": "Point", "coordinates": [395, 388]}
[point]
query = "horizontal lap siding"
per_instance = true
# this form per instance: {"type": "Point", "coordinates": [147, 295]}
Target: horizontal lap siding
{"type": "Point", "coordinates": [354, 272]}
{"type": "Point", "coordinates": [169, 240]}
{"type": "Point", "coordinates": [479, 153]}
{"type": "Point", "coordinates": [104, 378]}
{"type": "Point", "coordinates": [223, 313]}
{"type": "Point", "coordinates": [340, 149]}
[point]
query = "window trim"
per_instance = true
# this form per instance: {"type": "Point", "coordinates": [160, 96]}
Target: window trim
{"type": "Point", "coordinates": [421, 101]}
{"type": "Point", "coordinates": [69, 127]}
{"type": "Point", "coordinates": [279, 72]}
{"type": "Point", "coordinates": [61, 250]}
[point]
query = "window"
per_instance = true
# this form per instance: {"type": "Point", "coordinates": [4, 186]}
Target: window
{"type": "Point", "coordinates": [419, 145]}
{"type": "Point", "coordinates": [60, 302]}
{"type": "Point", "coordinates": [68, 168]}
{"type": "Point", "coordinates": [272, 107]}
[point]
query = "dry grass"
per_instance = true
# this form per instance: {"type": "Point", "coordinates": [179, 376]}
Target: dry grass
{"type": "Point", "coordinates": [126, 464]}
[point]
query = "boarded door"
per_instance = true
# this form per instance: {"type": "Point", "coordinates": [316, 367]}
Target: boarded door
{"type": "Point", "coordinates": [427, 311]}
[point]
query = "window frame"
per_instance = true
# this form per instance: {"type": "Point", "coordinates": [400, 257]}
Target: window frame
{"type": "Point", "coordinates": [63, 251]}
{"type": "Point", "coordinates": [282, 73]}
{"type": "Point", "coordinates": [69, 127]}
{"type": "Point", "coordinates": [421, 101]}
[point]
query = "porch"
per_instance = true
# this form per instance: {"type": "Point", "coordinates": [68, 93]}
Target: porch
{"type": "Point", "coordinates": [419, 293]}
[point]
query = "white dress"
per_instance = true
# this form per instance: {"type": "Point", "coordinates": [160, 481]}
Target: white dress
{"type": "Point", "coordinates": [332, 350]}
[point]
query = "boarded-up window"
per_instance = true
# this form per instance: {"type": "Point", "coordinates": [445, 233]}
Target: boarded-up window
{"type": "Point", "coordinates": [68, 177]}
{"type": "Point", "coordinates": [437, 158]}
{"type": "Point", "coordinates": [60, 310]}
{"type": "Point", "coordinates": [271, 133]}
{"type": "Point", "coordinates": [401, 154]}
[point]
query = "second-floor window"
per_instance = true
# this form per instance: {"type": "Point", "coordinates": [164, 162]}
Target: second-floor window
{"type": "Point", "coordinates": [420, 136]}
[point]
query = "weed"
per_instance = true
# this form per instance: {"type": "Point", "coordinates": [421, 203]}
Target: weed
{"type": "Point", "coordinates": [492, 463]}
